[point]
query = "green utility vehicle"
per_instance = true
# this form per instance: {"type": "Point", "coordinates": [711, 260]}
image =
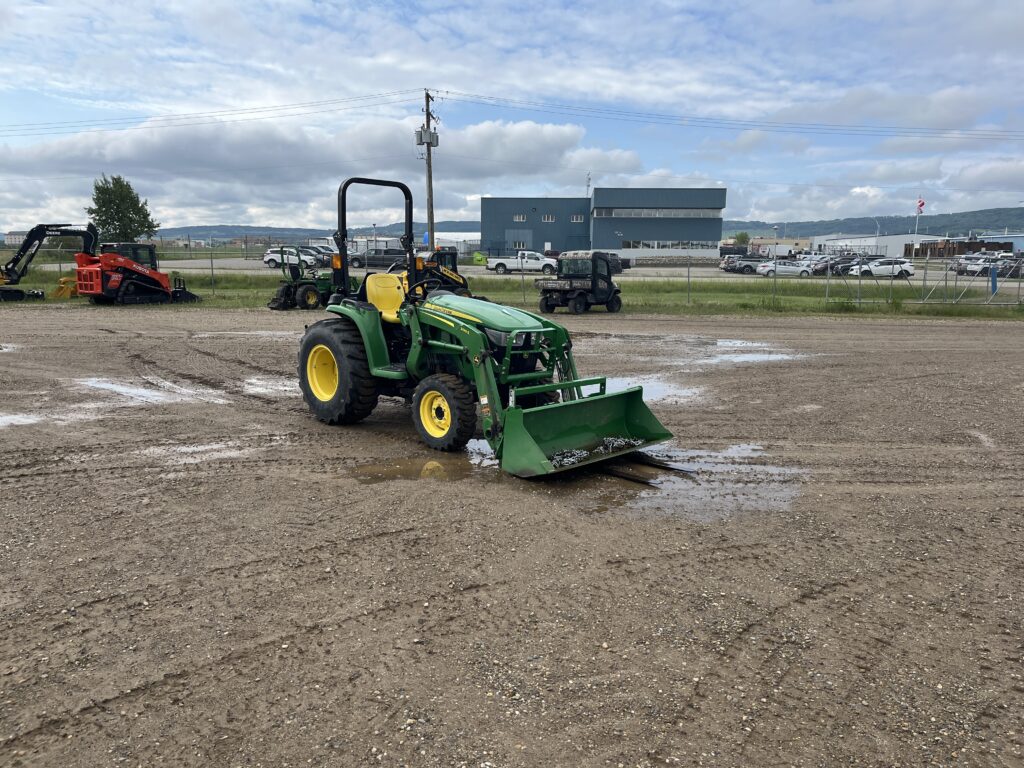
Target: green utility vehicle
{"type": "Point", "coordinates": [408, 333]}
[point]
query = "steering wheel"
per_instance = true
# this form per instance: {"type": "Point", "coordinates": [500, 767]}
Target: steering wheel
{"type": "Point", "coordinates": [427, 284]}
{"type": "Point", "coordinates": [399, 264]}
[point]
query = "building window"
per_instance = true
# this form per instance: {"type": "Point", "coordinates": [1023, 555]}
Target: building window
{"type": "Point", "coordinates": [519, 245]}
{"type": "Point", "coordinates": [577, 218]}
{"type": "Point", "coordinates": [519, 217]}
{"type": "Point", "coordinates": [548, 218]}
{"type": "Point", "coordinates": [658, 213]}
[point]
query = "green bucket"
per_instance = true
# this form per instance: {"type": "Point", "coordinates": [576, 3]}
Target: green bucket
{"type": "Point", "coordinates": [561, 436]}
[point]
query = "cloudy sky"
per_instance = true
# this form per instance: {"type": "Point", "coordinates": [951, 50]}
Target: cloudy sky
{"type": "Point", "coordinates": [252, 113]}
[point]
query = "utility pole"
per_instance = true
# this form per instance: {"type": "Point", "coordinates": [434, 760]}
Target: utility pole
{"type": "Point", "coordinates": [427, 137]}
{"type": "Point", "coordinates": [588, 184]}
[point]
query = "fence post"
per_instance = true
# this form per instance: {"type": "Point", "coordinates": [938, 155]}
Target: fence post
{"type": "Point", "coordinates": [689, 258]}
{"type": "Point", "coordinates": [213, 286]}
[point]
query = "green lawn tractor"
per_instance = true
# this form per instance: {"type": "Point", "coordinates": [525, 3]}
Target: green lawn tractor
{"type": "Point", "coordinates": [415, 333]}
{"type": "Point", "coordinates": [305, 289]}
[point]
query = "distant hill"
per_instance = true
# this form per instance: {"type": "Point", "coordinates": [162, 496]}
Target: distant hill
{"type": "Point", "coordinates": [294, 234]}
{"type": "Point", "coordinates": [952, 224]}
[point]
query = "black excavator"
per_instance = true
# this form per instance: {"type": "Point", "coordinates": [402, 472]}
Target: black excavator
{"type": "Point", "coordinates": [14, 270]}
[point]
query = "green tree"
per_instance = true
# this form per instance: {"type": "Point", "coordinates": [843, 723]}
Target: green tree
{"type": "Point", "coordinates": [742, 238]}
{"type": "Point", "coordinates": [118, 212]}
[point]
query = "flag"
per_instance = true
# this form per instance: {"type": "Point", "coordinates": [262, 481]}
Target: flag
{"type": "Point", "coordinates": [920, 206]}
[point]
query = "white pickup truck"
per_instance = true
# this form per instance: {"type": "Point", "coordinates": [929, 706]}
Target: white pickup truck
{"type": "Point", "coordinates": [523, 261]}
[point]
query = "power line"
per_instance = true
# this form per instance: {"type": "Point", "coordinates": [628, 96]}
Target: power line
{"type": "Point", "coordinates": [695, 121]}
{"type": "Point", "coordinates": [184, 115]}
{"type": "Point", "coordinates": [243, 117]}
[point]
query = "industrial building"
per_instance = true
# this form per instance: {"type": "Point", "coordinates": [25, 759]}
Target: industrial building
{"type": "Point", "coordinates": [641, 223]}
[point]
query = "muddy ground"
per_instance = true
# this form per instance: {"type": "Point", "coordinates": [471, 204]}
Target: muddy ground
{"type": "Point", "coordinates": [194, 572]}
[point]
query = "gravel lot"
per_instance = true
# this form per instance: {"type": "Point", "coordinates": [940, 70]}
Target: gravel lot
{"type": "Point", "coordinates": [195, 572]}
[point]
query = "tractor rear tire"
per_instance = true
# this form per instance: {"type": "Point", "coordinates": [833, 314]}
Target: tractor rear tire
{"type": "Point", "coordinates": [334, 375]}
{"type": "Point", "coordinates": [578, 304]}
{"type": "Point", "coordinates": [307, 297]}
{"type": "Point", "coordinates": [444, 412]}
{"type": "Point", "coordinates": [614, 303]}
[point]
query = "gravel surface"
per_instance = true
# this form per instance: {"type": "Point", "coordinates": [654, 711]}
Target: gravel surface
{"type": "Point", "coordinates": [195, 572]}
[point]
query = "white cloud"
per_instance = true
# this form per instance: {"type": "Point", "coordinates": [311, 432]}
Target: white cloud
{"type": "Point", "coordinates": [851, 62]}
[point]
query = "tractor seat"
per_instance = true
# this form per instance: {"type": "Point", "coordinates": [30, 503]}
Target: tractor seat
{"type": "Point", "coordinates": [386, 293]}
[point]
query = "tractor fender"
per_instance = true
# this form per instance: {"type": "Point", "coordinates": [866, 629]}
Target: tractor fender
{"type": "Point", "coordinates": [367, 320]}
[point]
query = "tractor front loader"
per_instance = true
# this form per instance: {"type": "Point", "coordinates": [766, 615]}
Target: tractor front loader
{"type": "Point", "coordinates": [409, 334]}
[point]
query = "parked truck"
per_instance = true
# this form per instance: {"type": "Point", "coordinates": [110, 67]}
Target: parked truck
{"type": "Point", "coordinates": [523, 261]}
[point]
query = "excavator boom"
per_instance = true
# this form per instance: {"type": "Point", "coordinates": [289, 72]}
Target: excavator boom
{"type": "Point", "coordinates": [14, 270]}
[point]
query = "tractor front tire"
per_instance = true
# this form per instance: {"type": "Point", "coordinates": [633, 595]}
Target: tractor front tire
{"type": "Point", "coordinates": [444, 412]}
{"type": "Point", "coordinates": [307, 297]}
{"type": "Point", "coordinates": [334, 375]}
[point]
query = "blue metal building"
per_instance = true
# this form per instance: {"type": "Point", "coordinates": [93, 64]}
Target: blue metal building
{"type": "Point", "coordinates": [642, 222]}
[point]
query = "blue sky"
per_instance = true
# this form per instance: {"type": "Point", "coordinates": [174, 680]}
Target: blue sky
{"type": "Point", "coordinates": [883, 74]}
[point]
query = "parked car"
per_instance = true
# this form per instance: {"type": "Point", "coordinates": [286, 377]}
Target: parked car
{"type": "Point", "coordinates": [376, 257]}
{"type": "Point", "coordinates": [289, 254]}
{"type": "Point", "coordinates": [961, 264]}
{"type": "Point", "coordinates": [1012, 267]}
{"type": "Point", "coordinates": [784, 268]}
{"type": "Point", "coordinates": [896, 268]}
{"type": "Point", "coordinates": [324, 253]}
{"type": "Point", "coordinates": [745, 264]}
{"type": "Point", "coordinates": [985, 265]}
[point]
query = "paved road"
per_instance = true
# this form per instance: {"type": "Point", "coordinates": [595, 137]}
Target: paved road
{"type": "Point", "coordinates": [702, 272]}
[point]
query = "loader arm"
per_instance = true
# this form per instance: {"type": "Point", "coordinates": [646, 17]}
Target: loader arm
{"type": "Point", "coordinates": [15, 269]}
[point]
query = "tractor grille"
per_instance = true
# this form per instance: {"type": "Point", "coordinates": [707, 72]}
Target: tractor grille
{"type": "Point", "coordinates": [90, 280]}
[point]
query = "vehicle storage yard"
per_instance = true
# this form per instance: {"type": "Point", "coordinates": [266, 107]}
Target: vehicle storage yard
{"type": "Point", "coordinates": [196, 572]}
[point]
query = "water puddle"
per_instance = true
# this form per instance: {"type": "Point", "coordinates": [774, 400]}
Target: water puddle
{"type": "Point", "coordinates": [18, 419]}
{"type": "Point", "coordinates": [163, 391]}
{"type": "Point", "coordinates": [751, 357]}
{"type": "Point", "coordinates": [477, 462]}
{"type": "Point", "coordinates": [267, 334]}
{"type": "Point", "coordinates": [722, 484]}
{"type": "Point", "coordinates": [740, 344]}
{"type": "Point", "coordinates": [271, 385]}
{"type": "Point", "coordinates": [127, 394]}
{"type": "Point", "coordinates": [655, 388]}
{"type": "Point", "coordinates": [196, 454]}
{"type": "Point", "coordinates": [716, 485]}
{"type": "Point", "coordinates": [8, 348]}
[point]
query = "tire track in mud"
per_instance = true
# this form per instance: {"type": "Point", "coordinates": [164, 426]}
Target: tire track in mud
{"type": "Point", "coordinates": [745, 682]}
{"type": "Point", "coordinates": [168, 683]}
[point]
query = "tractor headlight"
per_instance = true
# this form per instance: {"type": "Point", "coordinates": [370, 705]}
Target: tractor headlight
{"type": "Point", "coordinates": [500, 338]}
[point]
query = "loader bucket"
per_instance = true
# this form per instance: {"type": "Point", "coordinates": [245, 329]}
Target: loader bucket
{"type": "Point", "coordinates": [561, 436]}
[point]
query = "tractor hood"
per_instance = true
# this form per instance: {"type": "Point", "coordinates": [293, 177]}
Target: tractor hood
{"type": "Point", "coordinates": [485, 313]}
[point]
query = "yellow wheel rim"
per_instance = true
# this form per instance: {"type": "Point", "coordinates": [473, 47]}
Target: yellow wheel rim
{"type": "Point", "coordinates": [312, 299]}
{"type": "Point", "coordinates": [322, 373]}
{"type": "Point", "coordinates": [435, 414]}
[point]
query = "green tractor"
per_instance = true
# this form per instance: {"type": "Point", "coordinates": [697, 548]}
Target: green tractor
{"type": "Point", "coordinates": [305, 289]}
{"type": "Point", "coordinates": [415, 333]}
